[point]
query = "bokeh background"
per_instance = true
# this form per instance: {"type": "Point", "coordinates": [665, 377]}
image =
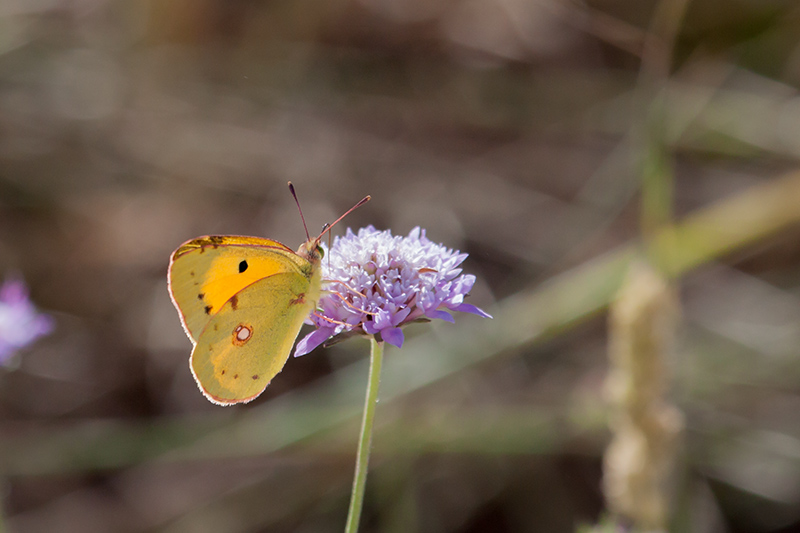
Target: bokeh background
{"type": "Point", "coordinates": [549, 139]}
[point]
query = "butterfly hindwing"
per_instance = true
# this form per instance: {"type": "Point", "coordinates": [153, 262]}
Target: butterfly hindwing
{"type": "Point", "coordinates": [248, 340]}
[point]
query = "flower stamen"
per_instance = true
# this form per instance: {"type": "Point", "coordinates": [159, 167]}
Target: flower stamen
{"type": "Point", "coordinates": [349, 304]}
{"type": "Point", "coordinates": [348, 287]}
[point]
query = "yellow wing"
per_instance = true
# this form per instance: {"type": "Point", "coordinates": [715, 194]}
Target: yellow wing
{"type": "Point", "coordinates": [248, 340]}
{"type": "Point", "coordinates": [207, 272]}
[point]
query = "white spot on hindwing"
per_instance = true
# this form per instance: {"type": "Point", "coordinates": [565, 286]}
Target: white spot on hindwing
{"type": "Point", "coordinates": [241, 334]}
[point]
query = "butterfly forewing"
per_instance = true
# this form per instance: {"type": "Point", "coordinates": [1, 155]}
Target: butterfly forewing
{"type": "Point", "coordinates": [206, 273]}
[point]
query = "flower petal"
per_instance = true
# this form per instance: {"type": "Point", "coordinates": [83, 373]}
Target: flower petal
{"type": "Point", "coordinates": [400, 316]}
{"type": "Point", "coordinates": [14, 292]}
{"type": "Point", "coordinates": [312, 340]}
{"type": "Point", "coordinates": [369, 327]}
{"type": "Point", "coordinates": [444, 315]}
{"type": "Point", "coordinates": [469, 308]}
{"type": "Point", "coordinates": [393, 336]}
{"type": "Point", "coordinates": [383, 319]}
{"type": "Point", "coordinates": [20, 322]}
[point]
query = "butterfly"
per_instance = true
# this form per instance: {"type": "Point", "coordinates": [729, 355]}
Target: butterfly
{"type": "Point", "coordinates": [242, 301]}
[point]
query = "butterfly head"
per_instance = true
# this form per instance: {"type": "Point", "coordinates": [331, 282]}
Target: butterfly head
{"type": "Point", "coordinates": [311, 250]}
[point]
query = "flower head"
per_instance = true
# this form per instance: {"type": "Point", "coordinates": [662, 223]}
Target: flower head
{"type": "Point", "coordinates": [20, 323]}
{"type": "Point", "coordinates": [380, 282]}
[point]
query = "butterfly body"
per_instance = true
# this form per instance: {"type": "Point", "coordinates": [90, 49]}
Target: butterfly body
{"type": "Point", "coordinates": [242, 302]}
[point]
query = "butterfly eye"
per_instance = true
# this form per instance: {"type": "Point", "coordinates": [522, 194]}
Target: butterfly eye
{"type": "Point", "coordinates": [242, 266]}
{"type": "Point", "coordinates": [320, 251]}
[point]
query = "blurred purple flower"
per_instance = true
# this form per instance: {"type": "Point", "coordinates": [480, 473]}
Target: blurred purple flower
{"type": "Point", "coordinates": [20, 323]}
{"type": "Point", "coordinates": [403, 279]}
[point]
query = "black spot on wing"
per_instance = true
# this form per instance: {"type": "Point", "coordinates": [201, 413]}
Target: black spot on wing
{"type": "Point", "coordinates": [242, 266]}
{"type": "Point", "coordinates": [235, 302]}
{"type": "Point", "coordinates": [201, 296]}
{"type": "Point", "coordinates": [208, 309]}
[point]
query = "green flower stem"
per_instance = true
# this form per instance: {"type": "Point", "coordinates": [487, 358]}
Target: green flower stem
{"type": "Point", "coordinates": [365, 440]}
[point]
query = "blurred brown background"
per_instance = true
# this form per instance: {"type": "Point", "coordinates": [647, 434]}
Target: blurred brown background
{"type": "Point", "coordinates": [518, 131]}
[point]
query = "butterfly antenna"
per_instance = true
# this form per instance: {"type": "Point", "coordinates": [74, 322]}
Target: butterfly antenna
{"type": "Point", "coordinates": [294, 195]}
{"type": "Point", "coordinates": [328, 227]}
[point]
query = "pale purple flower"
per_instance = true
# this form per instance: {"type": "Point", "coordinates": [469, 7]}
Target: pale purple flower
{"type": "Point", "coordinates": [20, 323]}
{"type": "Point", "coordinates": [402, 280]}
